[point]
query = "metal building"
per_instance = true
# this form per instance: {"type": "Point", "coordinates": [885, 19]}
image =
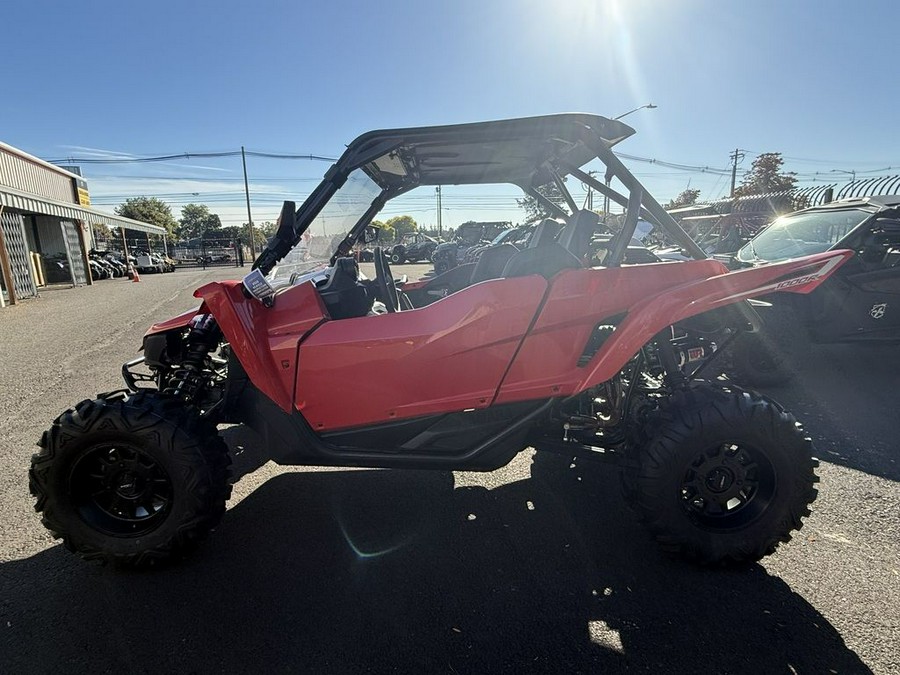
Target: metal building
{"type": "Point", "coordinates": [45, 216]}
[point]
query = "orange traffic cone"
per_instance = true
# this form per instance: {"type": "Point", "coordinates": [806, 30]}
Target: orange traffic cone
{"type": "Point", "coordinates": [135, 277]}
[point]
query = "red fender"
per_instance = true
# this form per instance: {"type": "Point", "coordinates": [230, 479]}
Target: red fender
{"type": "Point", "coordinates": [647, 318]}
{"type": "Point", "coordinates": [176, 322]}
{"type": "Point", "coordinates": [265, 338]}
{"type": "Point", "coordinates": [652, 297]}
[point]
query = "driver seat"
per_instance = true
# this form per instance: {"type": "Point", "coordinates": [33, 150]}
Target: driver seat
{"type": "Point", "coordinates": [343, 295]}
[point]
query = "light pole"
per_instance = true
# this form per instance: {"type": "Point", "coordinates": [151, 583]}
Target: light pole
{"type": "Point", "coordinates": [648, 106]}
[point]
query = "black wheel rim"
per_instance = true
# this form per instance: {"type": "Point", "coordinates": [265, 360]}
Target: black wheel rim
{"type": "Point", "coordinates": [727, 486]}
{"type": "Point", "coordinates": [120, 490]}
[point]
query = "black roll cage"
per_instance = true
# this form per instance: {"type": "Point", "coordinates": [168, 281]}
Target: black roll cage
{"type": "Point", "coordinates": [558, 138]}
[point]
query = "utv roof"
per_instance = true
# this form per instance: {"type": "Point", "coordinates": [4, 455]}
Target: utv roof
{"type": "Point", "coordinates": [502, 151]}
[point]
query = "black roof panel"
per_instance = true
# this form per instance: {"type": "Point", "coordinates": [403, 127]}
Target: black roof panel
{"type": "Point", "coordinates": [502, 151]}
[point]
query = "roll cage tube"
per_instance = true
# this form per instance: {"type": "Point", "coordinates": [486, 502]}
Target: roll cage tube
{"type": "Point", "coordinates": [561, 186]}
{"type": "Point", "coordinates": [555, 209]}
{"type": "Point", "coordinates": [667, 222]}
{"type": "Point", "coordinates": [614, 196]}
{"type": "Point", "coordinates": [620, 243]}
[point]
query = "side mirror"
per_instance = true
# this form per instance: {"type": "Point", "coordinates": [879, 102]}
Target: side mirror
{"type": "Point", "coordinates": [371, 234]}
{"type": "Point", "coordinates": [287, 222]}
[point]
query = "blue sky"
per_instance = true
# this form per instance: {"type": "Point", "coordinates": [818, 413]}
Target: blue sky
{"type": "Point", "coordinates": [815, 81]}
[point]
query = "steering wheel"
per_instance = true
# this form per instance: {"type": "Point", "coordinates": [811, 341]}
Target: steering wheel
{"type": "Point", "coordinates": [385, 279]}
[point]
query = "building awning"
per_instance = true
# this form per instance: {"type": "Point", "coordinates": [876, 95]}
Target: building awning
{"type": "Point", "coordinates": [32, 203]}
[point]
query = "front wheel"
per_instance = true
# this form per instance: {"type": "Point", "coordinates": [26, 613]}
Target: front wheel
{"type": "Point", "coordinates": [134, 479]}
{"type": "Point", "coordinates": [725, 476]}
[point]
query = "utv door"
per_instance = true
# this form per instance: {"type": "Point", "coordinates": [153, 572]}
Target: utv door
{"type": "Point", "coordinates": [862, 300]}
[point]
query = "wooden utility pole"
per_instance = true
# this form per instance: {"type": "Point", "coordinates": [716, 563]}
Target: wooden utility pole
{"type": "Point", "coordinates": [247, 194]}
{"type": "Point", "coordinates": [437, 191]}
{"type": "Point", "coordinates": [735, 156]}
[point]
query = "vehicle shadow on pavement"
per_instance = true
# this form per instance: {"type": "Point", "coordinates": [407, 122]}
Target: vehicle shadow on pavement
{"type": "Point", "coordinates": [846, 398]}
{"type": "Point", "coordinates": [391, 571]}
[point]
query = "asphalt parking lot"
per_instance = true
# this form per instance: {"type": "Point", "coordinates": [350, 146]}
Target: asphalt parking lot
{"type": "Point", "coordinates": [391, 571]}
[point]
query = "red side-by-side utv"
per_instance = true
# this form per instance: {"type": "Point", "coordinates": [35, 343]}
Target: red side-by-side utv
{"type": "Point", "coordinates": [555, 345]}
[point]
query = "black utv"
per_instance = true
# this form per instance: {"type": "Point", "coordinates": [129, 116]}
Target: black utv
{"type": "Point", "coordinates": [860, 302]}
{"type": "Point", "coordinates": [413, 247]}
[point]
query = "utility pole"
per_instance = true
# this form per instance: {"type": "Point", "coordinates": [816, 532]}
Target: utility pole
{"type": "Point", "coordinates": [735, 156]}
{"type": "Point", "coordinates": [437, 192]}
{"type": "Point", "coordinates": [247, 194]}
{"type": "Point", "coordinates": [589, 199]}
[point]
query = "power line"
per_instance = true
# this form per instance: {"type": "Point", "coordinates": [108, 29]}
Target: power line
{"type": "Point", "coordinates": [186, 155]}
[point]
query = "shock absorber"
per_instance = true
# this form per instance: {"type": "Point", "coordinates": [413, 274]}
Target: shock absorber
{"type": "Point", "coordinates": [188, 380]}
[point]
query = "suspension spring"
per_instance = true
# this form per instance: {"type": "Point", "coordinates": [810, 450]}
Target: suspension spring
{"type": "Point", "coordinates": [190, 378]}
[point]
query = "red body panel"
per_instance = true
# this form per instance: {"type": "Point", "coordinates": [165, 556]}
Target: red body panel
{"type": "Point", "coordinates": [542, 370]}
{"type": "Point", "coordinates": [546, 365]}
{"type": "Point", "coordinates": [265, 339]}
{"type": "Point", "coordinates": [448, 356]}
{"type": "Point", "coordinates": [475, 347]}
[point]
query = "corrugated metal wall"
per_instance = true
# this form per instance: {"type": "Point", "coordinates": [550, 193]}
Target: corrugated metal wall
{"type": "Point", "coordinates": [52, 242]}
{"type": "Point", "coordinates": [19, 173]}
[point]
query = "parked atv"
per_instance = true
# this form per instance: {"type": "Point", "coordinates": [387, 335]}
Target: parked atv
{"type": "Point", "coordinates": [538, 349]}
{"type": "Point", "coordinates": [859, 303]}
{"type": "Point", "coordinates": [413, 247]}
{"type": "Point", "coordinates": [468, 236]}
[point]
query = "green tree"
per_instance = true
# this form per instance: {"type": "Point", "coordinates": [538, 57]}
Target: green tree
{"type": "Point", "coordinates": [385, 232]}
{"type": "Point", "coordinates": [267, 229]}
{"type": "Point", "coordinates": [233, 233]}
{"type": "Point", "coordinates": [535, 210]}
{"type": "Point", "coordinates": [261, 233]}
{"type": "Point", "coordinates": [196, 221]}
{"type": "Point", "coordinates": [766, 176]}
{"type": "Point", "coordinates": [148, 210]}
{"type": "Point", "coordinates": [687, 197]}
{"type": "Point", "coordinates": [400, 225]}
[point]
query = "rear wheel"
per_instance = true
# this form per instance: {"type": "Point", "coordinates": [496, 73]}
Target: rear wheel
{"type": "Point", "coordinates": [725, 476]}
{"type": "Point", "coordinates": [136, 479]}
